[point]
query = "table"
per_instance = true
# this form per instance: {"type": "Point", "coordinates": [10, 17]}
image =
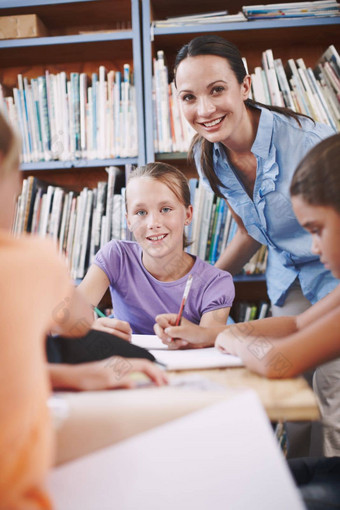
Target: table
{"type": "Point", "coordinates": [102, 418]}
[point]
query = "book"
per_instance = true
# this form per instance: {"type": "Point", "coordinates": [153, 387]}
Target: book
{"type": "Point", "coordinates": [205, 223]}
{"type": "Point", "coordinates": [199, 19]}
{"type": "Point", "coordinates": [56, 214]}
{"type": "Point", "coordinates": [283, 84]}
{"type": "Point", "coordinates": [65, 221]}
{"type": "Point", "coordinates": [63, 118]}
{"type": "Point", "coordinates": [293, 9]}
{"type": "Point", "coordinates": [219, 212]}
{"type": "Point", "coordinates": [44, 117]}
{"type": "Point", "coordinates": [273, 86]}
{"type": "Point", "coordinates": [84, 238]}
{"type": "Point", "coordinates": [198, 207]}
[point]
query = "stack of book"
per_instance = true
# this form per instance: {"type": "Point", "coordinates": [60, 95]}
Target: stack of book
{"type": "Point", "coordinates": [313, 92]}
{"type": "Point", "coordinates": [172, 133]}
{"type": "Point", "coordinates": [200, 19]}
{"type": "Point", "coordinates": [66, 119]}
{"type": "Point", "coordinates": [80, 224]}
{"type": "Point", "coordinates": [213, 228]}
{"type": "Point", "coordinates": [319, 8]}
{"type": "Point", "coordinates": [243, 311]}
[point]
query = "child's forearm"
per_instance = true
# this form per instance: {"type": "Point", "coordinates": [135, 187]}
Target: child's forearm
{"type": "Point", "coordinates": [74, 317]}
{"type": "Point", "coordinates": [274, 327]}
{"type": "Point", "coordinates": [289, 355]}
{"type": "Point", "coordinates": [61, 376]}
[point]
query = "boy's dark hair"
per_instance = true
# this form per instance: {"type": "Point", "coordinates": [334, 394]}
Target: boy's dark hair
{"type": "Point", "coordinates": [317, 177]}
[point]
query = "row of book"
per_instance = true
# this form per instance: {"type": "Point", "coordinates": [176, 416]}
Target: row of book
{"type": "Point", "coordinates": [172, 133]}
{"type": "Point", "coordinates": [313, 92]}
{"type": "Point", "coordinates": [200, 19]}
{"type": "Point", "coordinates": [243, 311]}
{"type": "Point", "coordinates": [61, 118]}
{"type": "Point", "coordinates": [213, 228]}
{"type": "Point", "coordinates": [319, 8]}
{"type": "Point", "coordinates": [81, 223]}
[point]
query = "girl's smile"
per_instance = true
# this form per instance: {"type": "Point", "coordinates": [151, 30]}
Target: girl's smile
{"type": "Point", "coordinates": [157, 217]}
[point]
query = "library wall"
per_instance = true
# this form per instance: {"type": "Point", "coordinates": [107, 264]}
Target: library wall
{"type": "Point", "coordinates": [87, 35]}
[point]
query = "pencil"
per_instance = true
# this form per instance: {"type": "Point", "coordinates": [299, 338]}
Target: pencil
{"type": "Point", "coordinates": [98, 312]}
{"type": "Point", "coordinates": [185, 296]}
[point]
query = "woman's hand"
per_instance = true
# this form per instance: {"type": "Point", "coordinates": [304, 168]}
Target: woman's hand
{"type": "Point", "coordinates": [114, 326]}
{"type": "Point", "coordinates": [187, 335]}
{"type": "Point", "coordinates": [110, 373]}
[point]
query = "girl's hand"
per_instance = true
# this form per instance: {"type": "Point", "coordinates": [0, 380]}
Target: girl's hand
{"type": "Point", "coordinates": [110, 373]}
{"type": "Point", "coordinates": [114, 326]}
{"type": "Point", "coordinates": [187, 335]}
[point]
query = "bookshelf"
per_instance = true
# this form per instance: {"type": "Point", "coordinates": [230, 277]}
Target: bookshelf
{"type": "Point", "coordinates": [82, 35]}
{"type": "Point", "coordinates": [288, 38]}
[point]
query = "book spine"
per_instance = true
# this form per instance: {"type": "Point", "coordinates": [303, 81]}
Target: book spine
{"type": "Point", "coordinates": [75, 112]}
{"type": "Point", "coordinates": [82, 113]}
{"type": "Point", "coordinates": [44, 118]}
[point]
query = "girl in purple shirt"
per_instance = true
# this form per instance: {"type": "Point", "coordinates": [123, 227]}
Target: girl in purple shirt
{"type": "Point", "coordinates": [147, 277]}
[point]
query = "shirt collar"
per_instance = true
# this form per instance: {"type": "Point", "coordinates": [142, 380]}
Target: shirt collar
{"type": "Point", "coordinates": [261, 145]}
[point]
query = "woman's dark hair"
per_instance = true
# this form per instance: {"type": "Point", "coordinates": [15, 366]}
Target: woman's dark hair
{"type": "Point", "coordinates": [173, 178]}
{"type": "Point", "coordinates": [317, 177]}
{"type": "Point", "coordinates": [220, 47]}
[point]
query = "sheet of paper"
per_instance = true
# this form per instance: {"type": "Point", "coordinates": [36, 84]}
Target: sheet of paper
{"type": "Point", "coordinates": [195, 382]}
{"type": "Point", "coordinates": [185, 359]}
{"type": "Point", "coordinates": [148, 342]}
{"type": "Point", "coordinates": [195, 359]}
{"type": "Point", "coordinates": [222, 457]}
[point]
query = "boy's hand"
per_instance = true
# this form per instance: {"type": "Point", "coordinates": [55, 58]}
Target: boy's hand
{"type": "Point", "coordinates": [225, 342]}
{"type": "Point", "coordinates": [114, 326]}
{"type": "Point", "coordinates": [187, 335]}
{"type": "Point", "coordinates": [110, 373]}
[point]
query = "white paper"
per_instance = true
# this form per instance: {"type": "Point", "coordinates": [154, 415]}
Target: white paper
{"type": "Point", "coordinates": [219, 458]}
{"type": "Point", "coordinates": [196, 359]}
{"type": "Point", "coordinates": [185, 359]}
{"type": "Point", "coordinates": [148, 342]}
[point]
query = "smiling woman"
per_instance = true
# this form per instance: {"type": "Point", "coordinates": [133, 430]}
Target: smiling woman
{"type": "Point", "coordinates": [247, 152]}
{"type": "Point", "coordinates": [147, 277]}
{"type": "Point", "coordinates": [212, 99]}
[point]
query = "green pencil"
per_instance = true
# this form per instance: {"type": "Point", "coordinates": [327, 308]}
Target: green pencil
{"type": "Point", "coordinates": [98, 312]}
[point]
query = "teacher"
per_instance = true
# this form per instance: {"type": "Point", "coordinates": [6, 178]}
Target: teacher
{"type": "Point", "coordinates": [247, 152]}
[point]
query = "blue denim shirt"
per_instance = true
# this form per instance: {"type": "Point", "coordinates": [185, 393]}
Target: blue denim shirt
{"type": "Point", "coordinates": [279, 146]}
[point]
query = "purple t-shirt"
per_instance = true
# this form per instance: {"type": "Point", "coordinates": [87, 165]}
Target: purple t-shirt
{"type": "Point", "coordinates": [137, 297]}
